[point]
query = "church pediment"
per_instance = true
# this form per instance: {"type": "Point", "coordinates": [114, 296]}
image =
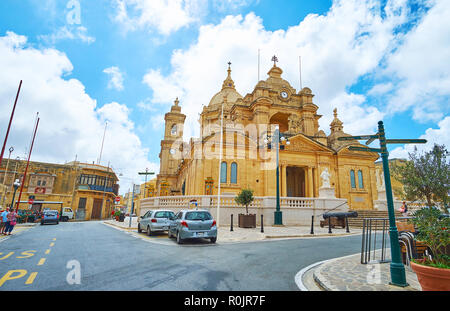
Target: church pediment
{"type": "Point", "coordinates": [302, 143]}
{"type": "Point", "coordinates": [344, 151]}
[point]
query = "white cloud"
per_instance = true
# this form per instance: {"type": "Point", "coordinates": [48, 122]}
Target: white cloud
{"type": "Point", "coordinates": [71, 122]}
{"type": "Point", "coordinates": [433, 136]}
{"type": "Point", "coordinates": [168, 16]}
{"type": "Point", "coordinates": [336, 49]}
{"type": "Point", "coordinates": [422, 66]}
{"type": "Point", "coordinates": [68, 33]}
{"type": "Point", "coordinates": [116, 78]}
{"type": "Point", "coordinates": [380, 89]}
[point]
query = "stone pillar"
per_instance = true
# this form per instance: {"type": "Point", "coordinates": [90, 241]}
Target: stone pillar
{"type": "Point", "coordinates": [283, 180]}
{"type": "Point", "coordinates": [310, 183]}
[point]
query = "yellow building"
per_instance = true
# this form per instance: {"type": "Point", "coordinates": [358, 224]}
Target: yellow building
{"type": "Point", "coordinates": [88, 189]}
{"type": "Point", "coordinates": [311, 163]}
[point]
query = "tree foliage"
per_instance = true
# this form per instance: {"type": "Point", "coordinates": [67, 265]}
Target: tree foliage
{"type": "Point", "coordinates": [245, 197]}
{"type": "Point", "coordinates": [426, 176]}
{"type": "Point", "coordinates": [434, 231]}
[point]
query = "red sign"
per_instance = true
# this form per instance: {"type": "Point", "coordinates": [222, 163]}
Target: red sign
{"type": "Point", "coordinates": [30, 201]}
{"type": "Point", "coordinates": [117, 199]}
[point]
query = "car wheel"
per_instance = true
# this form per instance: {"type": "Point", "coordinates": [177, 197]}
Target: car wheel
{"type": "Point", "coordinates": [179, 239]}
{"type": "Point", "coordinates": [149, 231]}
{"type": "Point", "coordinates": [42, 223]}
{"type": "Point", "coordinates": [213, 240]}
{"type": "Point", "coordinates": [139, 228]}
{"type": "Point", "coordinates": [57, 222]}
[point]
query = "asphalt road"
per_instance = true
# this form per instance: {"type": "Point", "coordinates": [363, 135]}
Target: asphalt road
{"type": "Point", "coordinates": [93, 256]}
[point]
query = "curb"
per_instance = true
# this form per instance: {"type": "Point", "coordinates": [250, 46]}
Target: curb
{"type": "Point", "coordinates": [299, 275]}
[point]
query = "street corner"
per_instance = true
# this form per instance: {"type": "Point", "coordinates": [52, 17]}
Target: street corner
{"type": "Point", "coordinates": [18, 229]}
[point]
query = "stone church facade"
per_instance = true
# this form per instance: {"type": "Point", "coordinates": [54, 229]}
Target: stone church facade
{"type": "Point", "coordinates": [311, 164]}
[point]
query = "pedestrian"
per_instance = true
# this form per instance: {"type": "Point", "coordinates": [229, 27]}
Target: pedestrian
{"type": "Point", "coordinates": [12, 221]}
{"type": "Point", "coordinates": [4, 217]}
{"type": "Point", "coordinates": [404, 209]}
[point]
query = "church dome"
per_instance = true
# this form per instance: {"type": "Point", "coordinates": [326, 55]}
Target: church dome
{"type": "Point", "coordinates": [228, 91]}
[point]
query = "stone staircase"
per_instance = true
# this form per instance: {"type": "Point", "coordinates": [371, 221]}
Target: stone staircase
{"type": "Point", "coordinates": [358, 221]}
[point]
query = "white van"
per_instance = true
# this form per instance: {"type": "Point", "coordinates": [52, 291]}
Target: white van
{"type": "Point", "coordinates": [67, 214]}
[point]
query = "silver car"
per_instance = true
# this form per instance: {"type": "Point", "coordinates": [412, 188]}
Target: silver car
{"type": "Point", "coordinates": [193, 224]}
{"type": "Point", "coordinates": [155, 221]}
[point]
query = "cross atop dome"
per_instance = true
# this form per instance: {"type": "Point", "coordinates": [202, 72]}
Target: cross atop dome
{"type": "Point", "coordinates": [275, 60]}
{"type": "Point", "coordinates": [228, 82]}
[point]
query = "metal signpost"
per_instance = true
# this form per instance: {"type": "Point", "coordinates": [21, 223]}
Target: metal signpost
{"type": "Point", "coordinates": [398, 276]}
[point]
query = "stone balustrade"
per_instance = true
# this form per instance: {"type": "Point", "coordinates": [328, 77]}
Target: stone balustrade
{"type": "Point", "coordinates": [296, 210]}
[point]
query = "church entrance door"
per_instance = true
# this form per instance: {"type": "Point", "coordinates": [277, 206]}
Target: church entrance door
{"type": "Point", "coordinates": [295, 181]}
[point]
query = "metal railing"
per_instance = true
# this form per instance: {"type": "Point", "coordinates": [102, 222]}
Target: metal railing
{"type": "Point", "coordinates": [371, 226]}
{"type": "Point", "coordinates": [370, 250]}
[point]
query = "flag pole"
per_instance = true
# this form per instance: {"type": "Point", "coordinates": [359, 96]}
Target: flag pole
{"type": "Point", "coordinates": [220, 167]}
{"type": "Point", "coordinates": [9, 125]}
{"type": "Point", "coordinates": [26, 168]}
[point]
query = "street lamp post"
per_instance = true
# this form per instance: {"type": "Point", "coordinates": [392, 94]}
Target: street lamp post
{"type": "Point", "coordinates": [15, 185]}
{"type": "Point", "coordinates": [276, 137]}
{"type": "Point", "coordinates": [11, 149]}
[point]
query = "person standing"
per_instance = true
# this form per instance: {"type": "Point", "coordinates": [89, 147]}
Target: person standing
{"type": "Point", "coordinates": [12, 221]}
{"type": "Point", "coordinates": [4, 217]}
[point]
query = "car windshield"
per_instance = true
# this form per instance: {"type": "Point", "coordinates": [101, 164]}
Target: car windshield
{"type": "Point", "coordinates": [198, 216]}
{"type": "Point", "coordinates": [164, 214]}
{"type": "Point", "coordinates": [50, 212]}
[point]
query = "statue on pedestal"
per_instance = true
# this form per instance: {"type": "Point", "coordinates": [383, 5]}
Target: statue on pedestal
{"type": "Point", "coordinates": [325, 178]}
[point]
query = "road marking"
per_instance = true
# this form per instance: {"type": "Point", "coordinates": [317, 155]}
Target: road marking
{"type": "Point", "coordinates": [26, 254]}
{"type": "Point", "coordinates": [47, 252]}
{"type": "Point", "coordinates": [52, 244]}
{"type": "Point", "coordinates": [41, 262]}
{"type": "Point", "coordinates": [31, 278]}
{"type": "Point", "coordinates": [9, 276]}
{"type": "Point", "coordinates": [6, 256]}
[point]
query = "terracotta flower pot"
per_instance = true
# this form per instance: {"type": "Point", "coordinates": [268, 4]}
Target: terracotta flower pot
{"type": "Point", "coordinates": [431, 278]}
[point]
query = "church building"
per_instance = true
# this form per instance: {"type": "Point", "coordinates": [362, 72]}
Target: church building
{"type": "Point", "coordinates": [237, 148]}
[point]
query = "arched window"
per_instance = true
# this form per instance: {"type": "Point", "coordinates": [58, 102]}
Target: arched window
{"type": "Point", "coordinates": [233, 177]}
{"type": "Point", "coordinates": [173, 130]}
{"type": "Point", "coordinates": [223, 172]}
{"type": "Point", "coordinates": [360, 180]}
{"type": "Point", "coordinates": [352, 178]}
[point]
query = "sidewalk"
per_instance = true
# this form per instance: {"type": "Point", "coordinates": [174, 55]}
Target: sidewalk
{"type": "Point", "coordinates": [348, 274]}
{"type": "Point", "coordinates": [225, 235]}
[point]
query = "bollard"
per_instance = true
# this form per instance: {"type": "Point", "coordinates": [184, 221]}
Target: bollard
{"type": "Point", "coordinates": [231, 229]}
{"type": "Point", "coordinates": [346, 225]}
{"type": "Point", "coordinates": [329, 225]}
{"type": "Point", "coordinates": [262, 223]}
{"type": "Point", "coordinates": [312, 224]}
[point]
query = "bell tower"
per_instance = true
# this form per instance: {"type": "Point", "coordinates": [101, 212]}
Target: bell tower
{"type": "Point", "coordinates": [170, 156]}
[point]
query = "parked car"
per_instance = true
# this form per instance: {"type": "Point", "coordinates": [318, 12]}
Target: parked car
{"type": "Point", "coordinates": [50, 216]}
{"type": "Point", "coordinates": [193, 224]}
{"type": "Point", "coordinates": [155, 221]}
{"type": "Point", "coordinates": [67, 214]}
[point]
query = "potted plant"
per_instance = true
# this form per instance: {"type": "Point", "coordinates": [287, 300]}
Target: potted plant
{"type": "Point", "coordinates": [245, 197]}
{"type": "Point", "coordinates": [117, 215]}
{"type": "Point", "coordinates": [433, 272]}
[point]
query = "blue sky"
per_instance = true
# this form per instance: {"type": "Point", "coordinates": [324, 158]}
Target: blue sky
{"type": "Point", "coordinates": [373, 60]}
